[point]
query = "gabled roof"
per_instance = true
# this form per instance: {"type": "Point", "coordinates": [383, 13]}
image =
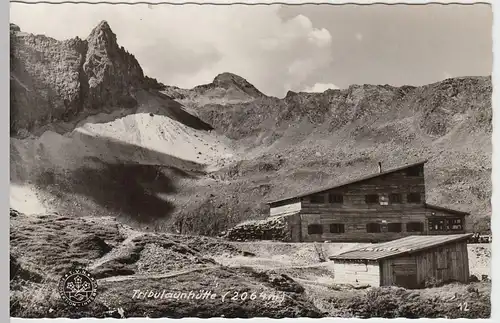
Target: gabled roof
{"type": "Point", "coordinates": [407, 245]}
{"type": "Point", "coordinates": [364, 178]}
{"type": "Point", "coordinates": [445, 209]}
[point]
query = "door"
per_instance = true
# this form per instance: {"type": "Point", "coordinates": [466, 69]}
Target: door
{"type": "Point", "coordinates": [405, 272]}
{"type": "Point", "coordinates": [408, 281]}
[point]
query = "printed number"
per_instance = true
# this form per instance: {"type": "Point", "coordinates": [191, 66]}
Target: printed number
{"type": "Point", "coordinates": [464, 307]}
{"type": "Point", "coordinates": [243, 296]}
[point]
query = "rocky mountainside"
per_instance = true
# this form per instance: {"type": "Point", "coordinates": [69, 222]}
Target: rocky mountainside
{"type": "Point", "coordinates": [309, 140]}
{"type": "Point", "coordinates": [91, 135]}
{"type": "Point", "coordinates": [63, 80]}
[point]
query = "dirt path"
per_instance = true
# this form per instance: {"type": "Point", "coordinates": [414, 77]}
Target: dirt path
{"type": "Point", "coordinates": [312, 282]}
{"type": "Point", "coordinates": [324, 275]}
{"type": "Point", "coordinates": [175, 273]}
{"type": "Point", "coordinates": [165, 275]}
{"type": "Point", "coordinates": [315, 265]}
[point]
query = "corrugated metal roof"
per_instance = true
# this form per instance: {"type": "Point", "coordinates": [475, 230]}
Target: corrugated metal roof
{"type": "Point", "coordinates": [364, 178]}
{"type": "Point", "coordinates": [407, 245]}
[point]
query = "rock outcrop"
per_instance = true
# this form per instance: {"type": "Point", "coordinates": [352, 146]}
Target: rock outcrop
{"type": "Point", "coordinates": [53, 81]}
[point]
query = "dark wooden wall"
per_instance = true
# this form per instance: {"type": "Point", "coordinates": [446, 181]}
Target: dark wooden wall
{"type": "Point", "coordinates": [446, 263]}
{"type": "Point", "coordinates": [355, 213]}
{"type": "Point", "coordinates": [401, 271]}
{"type": "Point", "coordinates": [294, 227]}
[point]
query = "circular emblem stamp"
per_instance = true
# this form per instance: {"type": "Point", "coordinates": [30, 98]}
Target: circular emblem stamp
{"type": "Point", "coordinates": [78, 288]}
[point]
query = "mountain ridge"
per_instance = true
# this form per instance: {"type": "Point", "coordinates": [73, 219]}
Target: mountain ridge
{"type": "Point", "coordinates": [278, 146]}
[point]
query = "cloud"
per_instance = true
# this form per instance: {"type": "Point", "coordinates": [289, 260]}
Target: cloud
{"type": "Point", "coordinates": [189, 45]}
{"type": "Point", "coordinates": [320, 37]}
{"type": "Point", "coordinates": [359, 36]}
{"type": "Point", "coordinates": [320, 87]}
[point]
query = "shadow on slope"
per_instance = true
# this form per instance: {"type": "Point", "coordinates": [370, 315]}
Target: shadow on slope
{"type": "Point", "coordinates": [173, 110]}
{"type": "Point", "coordinates": [139, 188]}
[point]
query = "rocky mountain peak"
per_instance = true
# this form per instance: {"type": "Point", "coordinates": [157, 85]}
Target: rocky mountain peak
{"type": "Point", "coordinates": [226, 79]}
{"type": "Point", "coordinates": [112, 72]}
{"type": "Point", "coordinates": [102, 26]}
{"type": "Point", "coordinates": [97, 75]}
{"type": "Point", "coordinates": [103, 35]}
{"type": "Point", "coordinates": [229, 81]}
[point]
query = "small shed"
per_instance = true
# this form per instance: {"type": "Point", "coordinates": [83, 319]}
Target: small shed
{"type": "Point", "coordinates": [408, 262]}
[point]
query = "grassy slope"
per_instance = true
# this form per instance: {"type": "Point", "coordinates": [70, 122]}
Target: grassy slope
{"type": "Point", "coordinates": [44, 247]}
{"type": "Point", "coordinates": [126, 261]}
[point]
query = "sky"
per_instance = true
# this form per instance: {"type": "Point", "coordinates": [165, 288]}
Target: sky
{"type": "Point", "coordinates": [281, 48]}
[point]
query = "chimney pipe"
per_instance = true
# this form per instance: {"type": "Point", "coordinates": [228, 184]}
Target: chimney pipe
{"type": "Point", "coordinates": [380, 167]}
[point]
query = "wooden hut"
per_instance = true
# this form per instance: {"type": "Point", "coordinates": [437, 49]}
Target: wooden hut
{"type": "Point", "coordinates": [383, 206]}
{"type": "Point", "coordinates": [409, 262]}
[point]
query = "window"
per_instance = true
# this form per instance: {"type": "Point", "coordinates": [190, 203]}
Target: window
{"type": "Point", "coordinates": [314, 229]}
{"type": "Point", "coordinates": [413, 198]}
{"type": "Point", "coordinates": [436, 224]}
{"type": "Point", "coordinates": [455, 224]}
{"type": "Point", "coordinates": [414, 172]}
{"type": "Point", "coordinates": [452, 224]}
{"type": "Point", "coordinates": [335, 198]}
{"type": "Point", "coordinates": [384, 200]}
{"type": "Point", "coordinates": [371, 199]}
{"type": "Point", "coordinates": [414, 227]}
{"type": "Point", "coordinates": [317, 199]}
{"type": "Point", "coordinates": [337, 228]}
{"type": "Point", "coordinates": [394, 227]}
{"type": "Point", "coordinates": [373, 227]}
{"type": "Point", "coordinates": [395, 198]}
